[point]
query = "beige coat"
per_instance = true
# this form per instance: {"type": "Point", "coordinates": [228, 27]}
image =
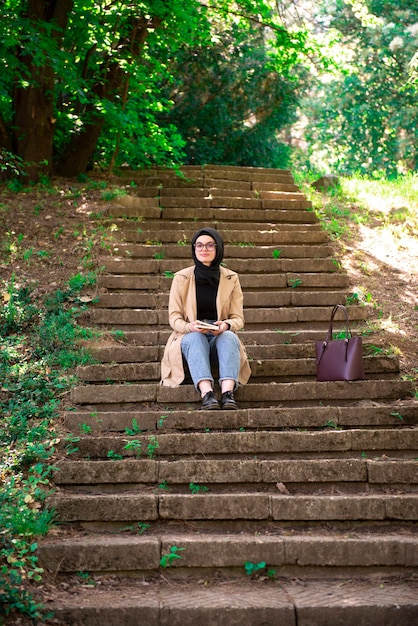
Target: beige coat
{"type": "Point", "coordinates": [182, 309]}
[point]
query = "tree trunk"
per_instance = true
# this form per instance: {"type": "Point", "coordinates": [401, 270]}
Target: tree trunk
{"type": "Point", "coordinates": [34, 105]}
{"type": "Point", "coordinates": [80, 150]}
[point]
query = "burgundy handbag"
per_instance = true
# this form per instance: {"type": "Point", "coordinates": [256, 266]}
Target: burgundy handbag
{"type": "Point", "coordinates": [339, 359]}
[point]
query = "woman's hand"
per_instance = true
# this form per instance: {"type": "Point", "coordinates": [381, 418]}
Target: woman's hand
{"type": "Point", "coordinates": [223, 326]}
{"type": "Point", "coordinates": [194, 327]}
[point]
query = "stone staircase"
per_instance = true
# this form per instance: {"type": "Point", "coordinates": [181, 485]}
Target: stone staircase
{"type": "Point", "coordinates": [300, 508]}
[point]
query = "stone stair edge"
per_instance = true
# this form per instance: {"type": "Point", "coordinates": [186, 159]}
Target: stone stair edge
{"type": "Point", "coordinates": [260, 418]}
{"type": "Point", "coordinates": [360, 603]}
{"type": "Point", "coordinates": [371, 389]}
{"type": "Point", "coordinates": [209, 550]}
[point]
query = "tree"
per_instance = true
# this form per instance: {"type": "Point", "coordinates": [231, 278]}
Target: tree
{"type": "Point", "coordinates": [81, 78]}
{"type": "Point", "coordinates": [364, 118]}
{"type": "Point", "coordinates": [231, 98]}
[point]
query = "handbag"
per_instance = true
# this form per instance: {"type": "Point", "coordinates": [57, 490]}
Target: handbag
{"type": "Point", "coordinates": [339, 359]}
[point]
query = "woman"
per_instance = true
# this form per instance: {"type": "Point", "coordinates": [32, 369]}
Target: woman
{"type": "Point", "coordinates": [211, 293]}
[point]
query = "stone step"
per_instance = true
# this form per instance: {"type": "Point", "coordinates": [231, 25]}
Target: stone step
{"type": "Point", "coordinates": [298, 554]}
{"type": "Point", "coordinates": [153, 337]}
{"type": "Point", "coordinates": [249, 235]}
{"type": "Point", "coordinates": [278, 191]}
{"type": "Point", "coordinates": [343, 444]}
{"type": "Point", "coordinates": [305, 393]}
{"type": "Point", "coordinates": [232, 252]}
{"type": "Point", "coordinates": [135, 299]}
{"type": "Point", "coordinates": [368, 414]}
{"type": "Point", "coordinates": [290, 316]}
{"type": "Point", "coordinates": [134, 507]}
{"type": "Point", "coordinates": [279, 369]}
{"type": "Point", "coordinates": [270, 282]}
{"type": "Point", "coordinates": [251, 602]}
{"type": "Point", "coordinates": [112, 352]}
{"type": "Point", "coordinates": [219, 210]}
{"type": "Point", "coordinates": [242, 266]}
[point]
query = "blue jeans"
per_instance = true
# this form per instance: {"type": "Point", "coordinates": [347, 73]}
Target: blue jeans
{"type": "Point", "coordinates": [200, 351]}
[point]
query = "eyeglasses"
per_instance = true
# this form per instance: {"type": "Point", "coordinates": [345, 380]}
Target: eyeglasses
{"type": "Point", "coordinates": [208, 246]}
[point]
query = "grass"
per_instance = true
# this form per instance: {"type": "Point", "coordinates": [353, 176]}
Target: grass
{"type": "Point", "coordinates": [384, 204]}
{"type": "Point", "coordinates": [38, 352]}
{"type": "Point", "coordinates": [374, 226]}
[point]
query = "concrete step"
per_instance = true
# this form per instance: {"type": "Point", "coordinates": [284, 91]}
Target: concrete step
{"type": "Point", "coordinates": [298, 554]}
{"type": "Point", "coordinates": [136, 299]}
{"type": "Point", "coordinates": [280, 369]}
{"type": "Point", "coordinates": [368, 414]}
{"type": "Point", "coordinates": [271, 235]}
{"type": "Point", "coordinates": [252, 602]}
{"type": "Point", "coordinates": [112, 352]}
{"type": "Point", "coordinates": [242, 266]}
{"type": "Point", "coordinates": [288, 316]}
{"type": "Point", "coordinates": [224, 507]}
{"type": "Point", "coordinates": [308, 393]}
{"type": "Point", "coordinates": [270, 282]}
{"type": "Point", "coordinates": [219, 209]}
{"type": "Point", "coordinates": [342, 444]}
{"type": "Point", "coordinates": [232, 252]}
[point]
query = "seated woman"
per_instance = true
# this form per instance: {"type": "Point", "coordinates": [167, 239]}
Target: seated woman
{"type": "Point", "coordinates": [206, 292]}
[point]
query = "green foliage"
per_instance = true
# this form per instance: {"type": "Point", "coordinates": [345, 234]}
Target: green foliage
{"type": "Point", "coordinates": [363, 117]}
{"type": "Point", "coordinates": [114, 456]}
{"type": "Point", "coordinates": [152, 446]}
{"type": "Point", "coordinates": [173, 554]}
{"type": "Point", "coordinates": [186, 77]}
{"type": "Point", "coordinates": [194, 488]}
{"type": "Point", "coordinates": [233, 93]}
{"type": "Point", "coordinates": [135, 430]}
{"type": "Point", "coordinates": [34, 337]}
{"type": "Point", "coordinates": [253, 569]}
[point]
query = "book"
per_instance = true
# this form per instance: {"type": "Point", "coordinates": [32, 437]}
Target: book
{"type": "Point", "coordinates": [207, 326]}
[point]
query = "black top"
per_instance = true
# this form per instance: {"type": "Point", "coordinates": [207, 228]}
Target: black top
{"type": "Point", "coordinates": [206, 300]}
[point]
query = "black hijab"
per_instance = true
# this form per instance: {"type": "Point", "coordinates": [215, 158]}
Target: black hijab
{"type": "Point", "coordinates": [203, 273]}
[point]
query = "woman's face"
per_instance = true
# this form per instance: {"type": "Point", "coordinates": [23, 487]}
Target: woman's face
{"type": "Point", "coordinates": [204, 254]}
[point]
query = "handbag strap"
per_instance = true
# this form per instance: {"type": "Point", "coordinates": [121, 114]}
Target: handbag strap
{"type": "Point", "coordinates": [329, 333]}
{"type": "Point", "coordinates": [338, 307]}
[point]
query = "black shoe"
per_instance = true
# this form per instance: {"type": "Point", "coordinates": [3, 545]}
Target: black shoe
{"type": "Point", "coordinates": [228, 401]}
{"type": "Point", "coordinates": [209, 402]}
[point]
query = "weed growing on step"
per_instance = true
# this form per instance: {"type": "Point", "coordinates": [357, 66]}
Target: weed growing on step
{"type": "Point", "coordinates": [85, 429]}
{"type": "Point", "coordinates": [194, 488]}
{"type": "Point", "coordinates": [135, 445]}
{"type": "Point", "coordinates": [135, 430]}
{"type": "Point", "coordinates": [114, 456]}
{"type": "Point", "coordinates": [86, 579]}
{"type": "Point", "coordinates": [173, 554]}
{"type": "Point", "coordinates": [38, 349]}
{"type": "Point", "coordinates": [162, 420]}
{"type": "Point", "coordinates": [152, 446]}
{"type": "Point", "coordinates": [276, 253]}
{"type": "Point", "coordinates": [70, 440]}
{"type": "Point", "coordinates": [140, 528]}
{"type": "Point", "coordinates": [253, 569]}
{"type": "Point", "coordinates": [398, 415]}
